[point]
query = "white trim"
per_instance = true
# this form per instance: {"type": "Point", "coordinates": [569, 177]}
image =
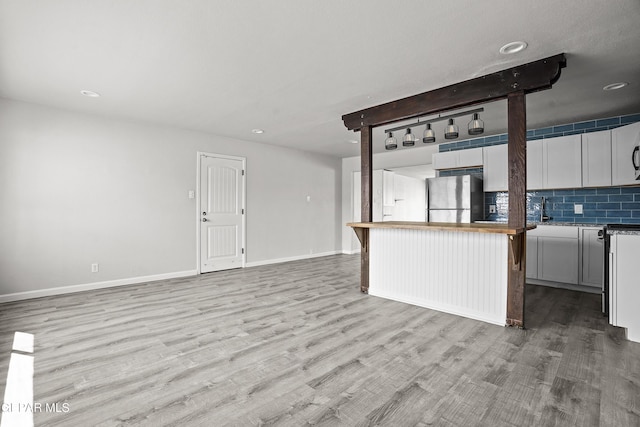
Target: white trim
{"type": "Point", "coordinates": [200, 154]}
{"type": "Point", "coordinates": [353, 252]}
{"type": "Point", "coordinates": [96, 285]}
{"type": "Point", "coordinates": [293, 258]}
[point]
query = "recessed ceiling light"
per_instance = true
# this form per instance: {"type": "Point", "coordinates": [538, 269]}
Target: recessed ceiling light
{"type": "Point", "coordinates": [615, 86]}
{"type": "Point", "coordinates": [257, 130]}
{"type": "Point", "coordinates": [90, 93]}
{"type": "Point", "coordinates": [513, 47]}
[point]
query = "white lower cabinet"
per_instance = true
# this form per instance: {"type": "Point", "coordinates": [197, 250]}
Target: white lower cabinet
{"type": "Point", "coordinates": [624, 288]}
{"type": "Point", "coordinates": [591, 257]}
{"type": "Point", "coordinates": [532, 257]}
{"type": "Point", "coordinates": [565, 255]}
{"type": "Point", "coordinates": [558, 259]}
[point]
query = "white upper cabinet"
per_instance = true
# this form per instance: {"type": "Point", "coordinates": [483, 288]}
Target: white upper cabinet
{"type": "Point", "coordinates": [596, 159]}
{"type": "Point", "coordinates": [495, 175]}
{"type": "Point", "coordinates": [623, 142]}
{"type": "Point", "coordinates": [534, 165]}
{"type": "Point", "coordinates": [562, 162]}
{"type": "Point", "coordinates": [458, 159]}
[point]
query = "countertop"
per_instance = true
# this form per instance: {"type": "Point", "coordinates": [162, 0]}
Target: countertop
{"type": "Point", "coordinates": [570, 224]}
{"type": "Point", "coordinates": [627, 232]}
{"type": "Point", "coordinates": [495, 227]}
{"type": "Point", "coordinates": [554, 224]}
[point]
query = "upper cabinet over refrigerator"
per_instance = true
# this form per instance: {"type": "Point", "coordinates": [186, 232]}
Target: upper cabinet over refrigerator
{"type": "Point", "coordinates": [625, 159]}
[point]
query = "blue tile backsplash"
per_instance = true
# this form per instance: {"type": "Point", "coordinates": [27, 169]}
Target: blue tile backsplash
{"type": "Point", "coordinates": [600, 205]}
{"type": "Point", "coordinates": [548, 132]}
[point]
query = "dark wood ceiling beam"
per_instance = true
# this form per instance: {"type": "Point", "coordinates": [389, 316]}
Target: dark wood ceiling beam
{"type": "Point", "coordinates": [527, 78]}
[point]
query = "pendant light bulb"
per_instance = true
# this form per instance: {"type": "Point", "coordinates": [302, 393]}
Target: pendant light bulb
{"type": "Point", "coordinates": [429, 135]}
{"type": "Point", "coordinates": [409, 140]}
{"type": "Point", "coordinates": [390, 143]}
{"type": "Point", "coordinates": [476, 126]}
{"type": "Point", "coordinates": [451, 131]}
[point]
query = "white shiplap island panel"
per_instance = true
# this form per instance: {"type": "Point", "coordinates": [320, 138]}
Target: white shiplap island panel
{"type": "Point", "coordinates": [455, 272]}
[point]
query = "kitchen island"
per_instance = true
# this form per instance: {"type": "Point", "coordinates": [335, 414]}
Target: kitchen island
{"type": "Point", "coordinates": [460, 269]}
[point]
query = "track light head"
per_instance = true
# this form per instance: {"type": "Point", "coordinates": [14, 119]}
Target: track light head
{"type": "Point", "coordinates": [409, 140]}
{"type": "Point", "coordinates": [476, 126]}
{"type": "Point", "coordinates": [390, 143]}
{"type": "Point", "coordinates": [428, 135]}
{"type": "Point", "coordinates": [451, 131]}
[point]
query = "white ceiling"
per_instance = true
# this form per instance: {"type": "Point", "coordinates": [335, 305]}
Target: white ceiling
{"type": "Point", "coordinates": [294, 67]}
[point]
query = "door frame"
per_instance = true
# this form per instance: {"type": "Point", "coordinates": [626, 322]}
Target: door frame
{"type": "Point", "coordinates": [199, 155]}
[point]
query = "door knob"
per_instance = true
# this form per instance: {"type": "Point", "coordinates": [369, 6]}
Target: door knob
{"type": "Point", "coordinates": [204, 219]}
{"type": "Point", "coordinates": [204, 213]}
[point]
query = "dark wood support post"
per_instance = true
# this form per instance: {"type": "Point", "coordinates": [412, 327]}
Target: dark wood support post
{"type": "Point", "coordinates": [366, 161]}
{"type": "Point", "coordinates": [517, 160]}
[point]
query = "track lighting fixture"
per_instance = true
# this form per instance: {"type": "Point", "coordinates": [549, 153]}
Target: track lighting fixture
{"type": "Point", "coordinates": [451, 131]}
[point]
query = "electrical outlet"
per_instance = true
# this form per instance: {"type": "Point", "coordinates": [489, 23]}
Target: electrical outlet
{"type": "Point", "coordinates": [492, 208]}
{"type": "Point", "coordinates": [95, 268]}
{"type": "Point", "coordinates": [577, 209]}
{"type": "Point", "coordinates": [192, 194]}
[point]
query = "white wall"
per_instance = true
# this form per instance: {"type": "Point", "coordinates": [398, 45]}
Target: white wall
{"type": "Point", "coordinates": [386, 160]}
{"type": "Point", "coordinates": [77, 189]}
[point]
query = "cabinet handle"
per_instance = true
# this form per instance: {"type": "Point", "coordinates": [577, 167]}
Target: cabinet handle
{"type": "Point", "coordinates": [633, 157]}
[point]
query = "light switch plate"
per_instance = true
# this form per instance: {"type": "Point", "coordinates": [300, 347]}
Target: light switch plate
{"type": "Point", "coordinates": [577, 209]}
{"type": "Point", "coordinates": [192, 194]}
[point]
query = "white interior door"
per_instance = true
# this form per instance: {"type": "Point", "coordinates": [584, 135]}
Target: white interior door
{"type": "Point", "coordinates": [221, 213]}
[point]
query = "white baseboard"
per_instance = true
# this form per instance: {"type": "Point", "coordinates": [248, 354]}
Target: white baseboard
{"type": "Point", "coordinates": [353, 252]}
{"type": "Point", "coordinates": [91, 286]}
{"type": "Point", "coordinates": [293, 258]}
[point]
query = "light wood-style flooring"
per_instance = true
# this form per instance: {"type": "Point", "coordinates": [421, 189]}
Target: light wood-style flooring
{"type": "Point", "coordinates": [298, 344]}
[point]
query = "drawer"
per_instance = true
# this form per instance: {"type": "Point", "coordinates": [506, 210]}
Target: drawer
{"type": "Point", "coordinates": [561, 231]}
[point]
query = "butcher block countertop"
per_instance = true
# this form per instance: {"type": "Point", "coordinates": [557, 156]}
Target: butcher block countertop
{"type": "Point", "coordinates": [499, 228]}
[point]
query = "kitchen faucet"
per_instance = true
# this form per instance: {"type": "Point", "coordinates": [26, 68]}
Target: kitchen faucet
{"type": "Point", "coordinates": [543, 207]}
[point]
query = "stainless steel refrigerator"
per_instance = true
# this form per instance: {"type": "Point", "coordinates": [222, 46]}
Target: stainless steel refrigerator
{"type": "Point", "coordinates": [455, 199]}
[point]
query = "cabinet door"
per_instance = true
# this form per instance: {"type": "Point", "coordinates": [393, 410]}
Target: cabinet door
{"type": "Point", "coordinates": [534, 164]}
{"type": "Point", "coordinates": [591, 257]}
{"type": "Point", "coordinates": [625, 292]}
{"type": "Point", "coordinates": [623, 141]}
{"type": "Point", "coordinates": [470, 158]}
{"type": "Point", "coordinates": [495, 171]}
{"type": "Point", "coordinates": [596, 159]}
{"type": "Point", "coordinates": [558, 259]}
{"type": "Point", "coordinates": [446, 160]}
{"type": "Point", "coordinates": [562, 162]}
{"type": "Point", "coordinates": [532, 257]}
{"type": "Point", "coordinates": [457, 159]}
